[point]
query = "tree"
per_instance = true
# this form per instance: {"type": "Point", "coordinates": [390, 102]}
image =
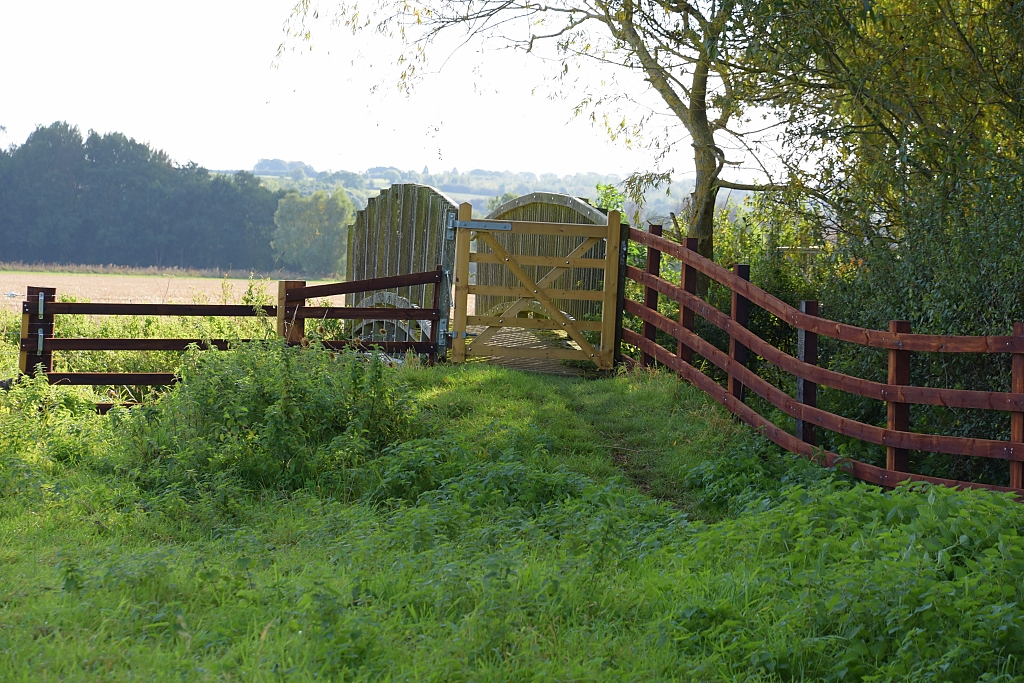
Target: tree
{"type": "Point", "coordinates": [311, 231]}
{"type": "Point", "coordinates": [891, 101]}
{"type": "Point", "coordinates": [686, 51]}
{"type": "Point", "coordinates": [494, 202]}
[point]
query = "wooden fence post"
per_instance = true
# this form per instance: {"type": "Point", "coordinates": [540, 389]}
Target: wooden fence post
{"type": "Point", "coordinates": [289, 327]}
{"type": "Point", "coordinates": [435, 325]}
{"type": "Point", "coordinates": [462, 250]}
{"type": "Point", "coordinates": [651, 294]}
{"type": "Point", "coordinates": [741, 315]}
{"type": "Point", "coordinates": [36, 326]}
{"type": "Point", "coordinates": [807, 392]}
{"type": "Point", "coordinates": [688, 278]}
{"type": "Point", "coordinates": [620, 288]}
{"type": "Point", "coordinates": [898, 414]}
{"type": "Point", "coordinates": [1017, 419]}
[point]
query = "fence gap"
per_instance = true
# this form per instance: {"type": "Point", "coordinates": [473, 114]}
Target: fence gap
{"type": "Point", "coordinates": [650, 294]}
{"type": "Point", "coordinates": [741, 316]}
{"type": "Point", "coordinates": [807, 392]}
{"type": "Point", "coordinates": [898, 414]}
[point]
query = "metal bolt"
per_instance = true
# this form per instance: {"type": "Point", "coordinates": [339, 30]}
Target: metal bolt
{"type": "Point", "coordinates": [591, 355]}
{"type": "Point", "coordinates": [535, 291]}
{"type": "Point", "coordinates": [500, 320]}
{"type": "Point", "coordinates": [506, 258]}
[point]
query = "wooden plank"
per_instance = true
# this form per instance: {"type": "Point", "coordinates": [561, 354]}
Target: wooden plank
{"type": "Point", "coordinates": [367, 313]}
{"type": "Point", "coordinates": [530, 323]}
{"type": "Point", "coordinates": [829, 328]}
{"type": "Point", "coordinates": [370, 285]}
{"type": "Point", "coordinates": [104, 408]}
{"type": "Point", "coordinates": [863, 471]}
{"type": "Point", "coordinates": [462, 243]}
{"type": "Point", "coordinates": [492, 290]}
{"type": "Point", "coordinates": [114, 378]}
{"type": "Point", "coordinates": [113, 344]}
{"type": "Point", "coordinates": [549, 261]}
{"type": "Point", "coordinates": [952, 398]}
{"type": "Point", "coordinates": [651, 294]}
{"type": "Point", "coordinates": [898, 413]}
{"type": "Point", "coordinates": [807, 392]}
{"type": "Point", "coordinates": [519, 352]}
{"type": "Point", "coordinates": [556, 229]}
{"type": "Point", "coordinates": [538, 294]}
{"type": "Point", "coordinates": [196, 310]}
{"type": "Point", "coordinates": [983, 448]}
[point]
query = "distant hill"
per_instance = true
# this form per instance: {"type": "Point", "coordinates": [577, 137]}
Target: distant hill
{"type": "Point", "coordinates": [476, 186]}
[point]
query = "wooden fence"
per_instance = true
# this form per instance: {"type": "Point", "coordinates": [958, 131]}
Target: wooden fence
{"type": "Point", "coordinates": [898, 339]}
{"type": "Point", "coordinates": [40, 308]}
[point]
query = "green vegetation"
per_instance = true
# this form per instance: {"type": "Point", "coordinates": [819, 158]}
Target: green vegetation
{"type": "Point", "coordinates": [312, 231]}
{"type": "Point", "coordinates": [292, 514]}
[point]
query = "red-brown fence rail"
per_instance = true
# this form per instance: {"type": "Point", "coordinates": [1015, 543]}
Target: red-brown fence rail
{"type": "Point", "coordinates": [896, 436]}
{"type": "Point", "coordinates": [40, 307]}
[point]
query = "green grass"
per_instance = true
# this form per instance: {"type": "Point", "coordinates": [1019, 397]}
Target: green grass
{"type": "Point", "coordinates": [480, 524]}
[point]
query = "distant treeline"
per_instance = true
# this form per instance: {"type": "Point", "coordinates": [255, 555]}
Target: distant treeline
{"type": "Point", "coordinates": [110, 199]}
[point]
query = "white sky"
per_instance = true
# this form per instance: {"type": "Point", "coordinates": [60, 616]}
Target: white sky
{"type": "Point", "coordinates": [195, 79]}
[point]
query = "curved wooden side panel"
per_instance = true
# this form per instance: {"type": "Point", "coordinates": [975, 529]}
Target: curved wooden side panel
{"type": "Point", "coordinates": [951, 398]}
{"type": "Point", "coordinates": [829, 328]}
{"type": "Point", "coordinates": [860, 470]}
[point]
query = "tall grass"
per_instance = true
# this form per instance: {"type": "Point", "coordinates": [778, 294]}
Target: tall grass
{"type": "Point", "coordinates": [290, 514]}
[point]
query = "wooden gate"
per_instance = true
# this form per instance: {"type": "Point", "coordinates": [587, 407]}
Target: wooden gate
{"type": "Point", "coordinates": [535, 274]}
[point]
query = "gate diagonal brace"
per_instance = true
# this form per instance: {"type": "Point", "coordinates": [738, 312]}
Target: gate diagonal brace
{"type": "Point", "coordinates": [539, 294]}
{"type": "Point", "coordinates": [548, 279]}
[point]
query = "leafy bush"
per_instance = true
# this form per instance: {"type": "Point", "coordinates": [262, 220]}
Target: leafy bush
{"type": "Point", "coordinates": [268, 416]}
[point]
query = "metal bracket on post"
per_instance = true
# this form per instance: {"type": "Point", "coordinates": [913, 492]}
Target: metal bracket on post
{"type": "Point", "coordinates": [449, 233]}
{"type": "Point", "coordinates": [442, 336]}
{"type": "Point", "coordinates": [42, 300]}
{"type": "Point", "coordinates": [39, 346]}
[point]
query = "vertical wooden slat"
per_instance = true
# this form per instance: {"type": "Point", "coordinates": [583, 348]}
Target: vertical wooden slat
{"type": "Point", "coordinates": [289, 330]}
{"type": "Point", "coordinates": [688, 278]}
{"type": "Point", "coordinates": [740, 314]}
{"type": "Point", "coordinates": [1017, 419]}
{"type": "Point", "coordinates": [898, 414]}
{"type": "Point", "coordinates": [611, 280]}
{"type": "Point", "coordinates": [807, 392]}
{"type": "Point", "coordinates": [461, 285]}
{"type": "Point", "coordinates": [32, 324]}
{"type": "Point", "coordinates": [651, 294]}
